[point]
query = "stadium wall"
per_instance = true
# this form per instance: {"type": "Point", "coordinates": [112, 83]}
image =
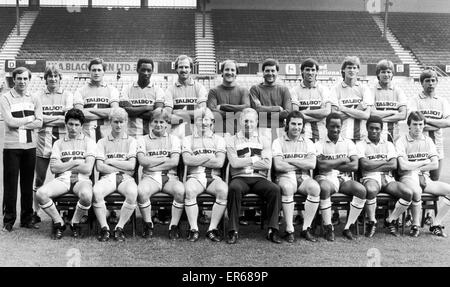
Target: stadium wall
{"type": "Point", "coordinates": [373, 6]}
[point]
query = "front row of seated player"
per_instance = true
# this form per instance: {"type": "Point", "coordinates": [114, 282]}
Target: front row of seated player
{"type": "Point", "coordinates": [250, 155]}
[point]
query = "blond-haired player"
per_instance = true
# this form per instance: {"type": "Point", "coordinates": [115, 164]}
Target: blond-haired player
{"type": "Point", "coordinates": [116, 159]}
{"type": "Point", "coordinates": [204, 155]}
{"type": "Point", "coordinates": [159, 154]}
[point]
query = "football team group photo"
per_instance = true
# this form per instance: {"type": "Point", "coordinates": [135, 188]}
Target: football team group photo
{"type": "Point", "coordinates": [224, 134]}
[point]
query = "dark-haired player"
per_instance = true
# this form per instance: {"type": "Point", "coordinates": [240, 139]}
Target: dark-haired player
{"type": "Point", "coordinates": [377, 160]}
{"type": "Point", "coordinates": [337, 158]}
{"type": "Point", "coordinates": [294, 157]}
{"type": "Point", "coordinates": [417, 156]}
{"type": "Point", "coordinates": [96, 99]}
{"type": "Point", "coordinates": [72, 160]}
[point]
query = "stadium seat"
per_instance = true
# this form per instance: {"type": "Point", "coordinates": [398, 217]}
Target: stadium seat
{"type": "Point", "coordinates": [114, 201]}
{"type": "Point", "coordinates": [67, 203]}
{"type": "Point", "coordinates": [120, 35]}
{"type": "Point", "coordinates": [296, 35]}
{"type": "Point", "coordinates": [251, 201]}
{"type": "Point", "coordinates": [429, 202]}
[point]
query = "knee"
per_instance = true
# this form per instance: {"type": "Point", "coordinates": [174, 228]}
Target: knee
{"type": "Point", "coordinates": [97, 194]}
{"type": "Point", "coordinates": [234, 190]}
{"type": "Point", "coordinates": [179, 192]}
{"type": "Point", "coordinates": [406, 194]}
{"type": "Point", "coordinates": [416, 196]}
{"type": "Point", "coordinates": [275, 190]}
{"type": "Point", "coordinates": [222, 192]}
{"type": "Point", "coordinates": [313, 189]}
{"type": "Point", "coordinates": [85, 196]}
{"type": "Point", "coordinates": [371, 192]}
{"type": "Point", "coordinates": [359, 190]}
{"type": "Point", "coordinates": [41, 195]}
{"type": "Point", "coordinates": [287, 189]}
{"type": "Point", "coordinates": [131, 195]}
{"type": "Point", "coordinates": [190, 193]}
{"type": "Point", "coordinates": [325, 190]}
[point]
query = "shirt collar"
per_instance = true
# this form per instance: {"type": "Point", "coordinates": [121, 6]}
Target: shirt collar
{"type": "Point", "coordinates": [410, 139]}
{"type": "Point", "coordinates": [102, 84]}
{"type": "Point", "coordinates": [368, 141]}
{"type": "Point", "coordinates": [150, 84]}
{"type": "Point", "coordinates": [153, 136]}
{"type": "Point", "coordinates": [344, 84]}
{"type": "Point", "coordinates": [240, 134]}
{"type": "Point", "coordinates": [300, 138]}
{"type": "Point", "coordinates": [79, 137]}
{"type": "Point", "coordinates": [423, 96]}
{"type": "Point", "coordinates": [340, 139]}
{"type": "Point", "coordinates": [196, 134]}
{"type": "Point", "coordinates": [111, 138]}
{"type": "Point", "coordinates": [16, 95]}
{"type": "Point", "coordinates": [313, 86]}
{"type": "Point", "coordinates": [189, 82]}
{"type": "Point", "coordinates": [59, 91]}
{"type": "Point", "coordinates": [390, 86]}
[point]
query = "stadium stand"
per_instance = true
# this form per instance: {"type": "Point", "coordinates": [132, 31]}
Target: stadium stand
{"type": "Point", "coordinates": [291, 36]}
{"type": "Point", "coordinates": [425, 34]}
{"type": "Point", "coordinates": [7, 23]}
{"type": "Point", "coordinates": [114, 35]}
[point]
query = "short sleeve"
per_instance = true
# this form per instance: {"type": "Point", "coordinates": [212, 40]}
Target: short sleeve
{"type": "Point", "coordinates": [333, 96]}
{"type": "Point", "coordinates": [202, 93]}
{"type": "Point", "coordinates": [78, 98]}
{"type": "Point", "coordinates": [326, 96]}
{"type": "Point", "coordinates": [168, 98]}
{"type": "Point", "coordinates": [412, 104]}
{"type": "Point", "coordinates": [294, 96]}
{"type": "Point", "coordinates": [125, 94]}
{"type": "Point", "coordinates": [132, 149]}
{"type": "Point", "coordinates": [401, 97]}
{"type": "Point", "coordinates": [276, 148]}
{"type": "Point", "coordinates": [159, 95]}
{"type": "Point", "coordinates": [319, 148]}
{"type": "Point", "coordinates": [114, 93]}
{"type": "Point", "coordinates": [220, 144]}
{"type": "Point", "coordinates": [311, 149]}
{"type": "Point", "coordinates": [101, 150]}
{"type": "Point", "coordinates": [267, 148]}
{"type": "Point", "coordinates": [361, 148]}
{"type": "Point", "coordinates": [69, 100]}
{"type": "Point", "coordinates": [91, 148]}
{"type": "Point", "coordinates": [351, 148]}
{"type": "Point", "coordinates": [401, 147]}
{"type": "Point", "coordinates": [56, 151]}
{"type": "Point", "coordinates": [445, 108]}
{"type": "Point", "coordinates": [176, 145]}
{"type": "Point", "coordinates": [431, 148]}
{"type": "Point", "coordinates": [391, 151]}
{"type": "Point", "coordinates": [186, 145]}
{"type": "Point", "coordinates": [140, 146]}
{"type": "Point", "coordinates": [368, 98]}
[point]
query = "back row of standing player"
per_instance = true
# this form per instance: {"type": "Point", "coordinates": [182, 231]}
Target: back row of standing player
{"type": "Point", "coordinates": [353, 101]}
